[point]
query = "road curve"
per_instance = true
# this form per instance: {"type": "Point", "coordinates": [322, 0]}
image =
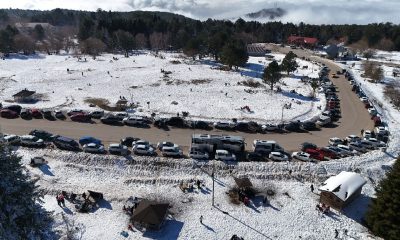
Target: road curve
{"type": "Point", "coordinates": [354, 118]}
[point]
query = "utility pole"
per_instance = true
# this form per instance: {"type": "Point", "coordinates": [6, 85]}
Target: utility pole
{"type": "Point", "coordinates": [213, 178]}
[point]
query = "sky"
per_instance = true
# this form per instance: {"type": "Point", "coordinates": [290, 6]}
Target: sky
{"type": "Point", "coordinates": [308, 11]}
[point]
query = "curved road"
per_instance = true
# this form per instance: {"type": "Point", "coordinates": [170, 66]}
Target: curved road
{"type": "Point", "coordinates": [354, 118]}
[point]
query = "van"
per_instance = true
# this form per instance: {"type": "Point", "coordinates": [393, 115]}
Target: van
{"type": "Point", "coordinates": [266, 146]}
{"type": "Point", "coordinates": [324, 120]}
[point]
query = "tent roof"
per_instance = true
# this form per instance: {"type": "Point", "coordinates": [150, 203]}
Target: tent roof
{"type": "Point", "coordinates": [24, 93]}
{"type": "Point", "coordinates": [343, 185]}
{"type": "Point", "coordinates": [150, 212]}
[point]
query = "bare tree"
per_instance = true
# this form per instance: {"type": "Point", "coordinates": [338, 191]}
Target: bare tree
{"type": "Point", "coordinates": [373, 71]}
{"type": "Point", "coordinates": [141, 41]}
{"type": "Point", "coordinates": [93, 47]}
{"type": "Point", "coordinates": [159, 40]}
{"type": "Point", "coordinates": [74, 231]}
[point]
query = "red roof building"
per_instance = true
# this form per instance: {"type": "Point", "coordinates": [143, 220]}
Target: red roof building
{"type": "Point", "coordinates": [302, 41]}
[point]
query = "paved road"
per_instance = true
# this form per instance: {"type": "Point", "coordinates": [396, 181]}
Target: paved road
{"type": "Point", "coordinates": [354, 118]}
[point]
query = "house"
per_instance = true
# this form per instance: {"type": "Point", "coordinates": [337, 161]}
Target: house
{"type": "Point", "coordinates": [257, 50]}
{"type": "Point", "coordinates": [338, 191]}
{"type": "Point", "coordinates": [24, 96]}
{"type": "Point", "coordinates": [150, 215]}
{"type": "Point", "coordinates": [308, 42]}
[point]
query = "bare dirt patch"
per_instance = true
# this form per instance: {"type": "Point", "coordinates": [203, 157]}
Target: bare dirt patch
{"type": "Point", "coordinates": [103, 104]}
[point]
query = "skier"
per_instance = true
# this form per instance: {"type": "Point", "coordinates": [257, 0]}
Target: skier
{"type": "Point", "coordinates": [201, 219]}
{"type": "Point", "coordinates": [312, 188]}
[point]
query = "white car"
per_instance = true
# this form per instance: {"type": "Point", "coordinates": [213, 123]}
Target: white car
{"type": "Point", "coordinates": [143, 149]}
{"type": "Point", "coordinates": [367, 144]}
{"type": "Point", "coordinates": [174, 151]}
{"type": "Point", "coordinates": [224, 155]}
{"type": "Point", "coordinates": [31, 141]}
{"type": "Point", "coordinates": [376, 143]}
{"type": "Point", "coordinates": [303, 156]}
{"type": "Point", "coordinates": [121, 115]}
{"type": "Point", "coordinates": [367, 134]}
{"type": "Point", "coordinates": [12, 139]}
{"type": "Point", "coordinates": [195, 154]}
{"type": "Point", "coordinates": [278, 156]}
{"type": "Point", "coordinates": [160, 145]}
{"type": "Point", "coordinates": [141, 142]}
{"type": "Point", "coordinates": [364, 99]}
{"type": "Point", "coordinates": [323, 120]}
{"type": "Point", "coordinates": [134, 121]}
{"type": "Point", "coordinates": [224, 125]}
{"type": "Point", "coordinates": [381, 131]}
{"type": "Point", "coordinates": [353, 138]}
{"type": "Point", "coordinates": [116, 148]}
{"type": "Point", "coordinates": [358, 147]}
{"type": "Point", "coordinates": [93, 148]}
{"type": "Point", "coordinates": [335, 141]}
{"type": "Point", "coordinates": [347, 150]}
{"type": "Point", "coordinates": [269, 127]}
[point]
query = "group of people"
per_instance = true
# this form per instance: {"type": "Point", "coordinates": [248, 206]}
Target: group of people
{"type": "Point", "coordinates": [190, 186]}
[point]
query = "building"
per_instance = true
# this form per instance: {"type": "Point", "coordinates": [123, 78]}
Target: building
{"type": "Point", "coordinates": [150, 215]}
{"type": "Point", "coordinates": [308, 42]}
{"type": "Point", "coordinates": [338, 191]}
{"type": "Point", "coordinates": [257, 50]}
{"type": "Point", "coordinates": [24, 96]}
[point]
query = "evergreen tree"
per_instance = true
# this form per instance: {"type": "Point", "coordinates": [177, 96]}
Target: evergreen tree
{"type": "Point", "coordinates": [289, 63]}
{"type": "Point", "coordinates": [272, 74]}
{"type": "Point", "coordinates": [20, 215]}
{"type": "Point", "coordinates": [235, 54]}
{"type": "Point", "coordinates": [383, 216]}
{"type": "Point", "coordinates": [125, 41]}
{"type": "Point", "coordinates": [38, 32]}
{"type": "Point", "coordinates": [314, 85]}
{"type": "Point", "coordinates": [192, 48]}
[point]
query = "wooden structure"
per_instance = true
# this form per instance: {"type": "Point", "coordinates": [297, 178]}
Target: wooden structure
{"type": "Point", "coordinates": [338, 191]}
{"type": "Point", "coordinates": [24, 96]}
{"type": "Point", "coordinates": [150, 215]}
{"type": "Point", "coordinates": [303, 41]}
{"type": "Point", "coordinates": [121, 104]}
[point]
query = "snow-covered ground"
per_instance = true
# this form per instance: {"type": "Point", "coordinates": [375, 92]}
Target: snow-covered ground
{"type": "Point", "coordinates": [387, 57]}
{"type": "Point", "coordinates": [197, 87]}
{"type": "Point", "coordinates": [290, 215]}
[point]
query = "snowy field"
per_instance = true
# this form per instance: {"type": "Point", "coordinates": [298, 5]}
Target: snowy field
{"type": "Point", "coordinates": [197, 87]}
{"type": "Point", "coordinates": [387, 57]}
{"type": "Point", "coordinates": [290, 215]}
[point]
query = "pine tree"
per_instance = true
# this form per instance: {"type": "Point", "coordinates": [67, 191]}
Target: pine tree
{"type": "Point", "coordinates": [289, 63]}
{"type": "Point", "coordinates": [272, 74]}
{"type": "Point", "coordinates": [20, 215]}
{"type": "Point", "coordinates": [234, 53]}
{"type": "Point", "coordinates": [383, 216]}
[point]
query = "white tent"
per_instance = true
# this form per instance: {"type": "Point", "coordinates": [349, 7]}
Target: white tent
{"type": "Point", "coordinates": [343, 185]}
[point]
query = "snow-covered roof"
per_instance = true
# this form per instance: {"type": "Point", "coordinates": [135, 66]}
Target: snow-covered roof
{"type": "Point", "coordinates": [343, 185]}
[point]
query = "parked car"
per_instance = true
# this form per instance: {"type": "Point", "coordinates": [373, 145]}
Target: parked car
{"type": "Point", "coordinates": [358, 147]}
{"type": "Point", "coordinates": [93, 148]}
{"type": "Point", "coordinates": [121, 115]}
{"type": "Point", "coordinates": [36, 113]}
{"type": "Point", "coordinates": [116, 148]}
{"type": "Point", "coordinates": [176, 122]}
{"type": "Point", "coordinates": [353, 138]}
{"type": "Point", "coordinates": [367, 134]}
{"type": "Point", "coordinates": [59, 114]}
{"type": "Point", "coordinates": [31, 141]}
{"type": "Point", "coordinates": [128, 141]}
{"type": "Point", "coordinates": [335, 141]}
{"type": "Point", "coordinates": [323, 120]}
{"type": "Point", "coordinates": [347, 150]}
{"type": "Point", "coordinates": [367, 144]}
{"type": "Point", "coordinates": [141, 142]}
{"type": "Point", "coordinates": [278, 156]}
{"type": "Point", "coordinates": [339, 153]}
{"type": "Point", "coordinates": [306, 145]}
{"type": "Point", "coordinates": [110, 119]}
{"type": "Point", "coordinates": [26, 113]}
{"type": "Point", "coordinates": [327, 153]}
{"type": "Point", "coordinates": [197, 154]}
{"type": "Point", "coordinates": [376, 143]}
{"type": "Point", "coordinates": [224, 155]}
{"type": "Point", "coordinates": [250, 127]}
{"type": "Point", "coordinates": [135, 121]}
{"type": "Point", "coordinates": [302, 156]}
{"type": "Point", "coordinates": [48, 114]}
{"type": "Point", "coordinates": [255, 157]}
{"type": "Point", "coordinates": [174, 151]}
{"type": "Point", "coordinates": [75, 111]}
{"type": "Point", "coordinates": [143, 149]}
{"type": "Point", "coordinates": [224, 125]}
{"type": "Point", "coordinates": [380, 130]}
{"type": "Point", "coordinates": [81, 117]}
{"type": "Point", "coordinates": [12, 139]}
{"type": "Point", "coordinates": [309, 126]}
{"type": "Point", "coordinates": [42, 134]}
{"type": "Point", "coordinates": [160, 145]}
{"type": "Point", "coordinates": [293, 127]}
{"type": "Point", "coordinates": [97, 114]}
{"type": "Point", "coordinates": [7, 113]}
{"type": "Point", "coordinates": [269, 127]}
{"type": "Point", "coordinates": [66, 143]}
{"type": "Point", "coordinates": [315, 154]}
{"type": "Point", "coordinates": [200, 125]}
{"type": "Point", "coordinates": [15, 108]}
{"type": "Point", "coordinates": [88, 139]}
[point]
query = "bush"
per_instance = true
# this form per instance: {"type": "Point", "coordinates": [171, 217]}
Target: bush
{"type": "Point", "coordinates": [393, 93]}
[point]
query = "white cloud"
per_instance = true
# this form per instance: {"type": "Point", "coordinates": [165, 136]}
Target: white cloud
{"type": "Point", "coordinates": [309, 11]}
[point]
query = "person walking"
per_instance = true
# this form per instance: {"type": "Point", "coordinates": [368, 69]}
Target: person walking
{"type": "Point", "coordinates": [312, 188]}
{"type": "Point", "coordinates": [336, 233]}
{"type": "Point", "coordinates": [61, 200]}
{"type": "Point", "coordinates": [201, 219]}
{"type": "Point", "coordinates": [362, 132]}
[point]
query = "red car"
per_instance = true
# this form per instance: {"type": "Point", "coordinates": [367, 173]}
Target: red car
{"type": "Point", "coordinates": [81, 117]}
{"type": "Point", "coordinates": [36, 113]}
{"type": "Point", "coordinates": [377, 120]}
{"type": "Point", "coordinates": [328, 153]}
{"type": "Point", "coordinates": [315, 154]}
{"type": "Point", "coordinates": [7, 113]}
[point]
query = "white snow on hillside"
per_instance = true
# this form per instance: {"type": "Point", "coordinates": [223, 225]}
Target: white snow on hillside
{"type": "Point", "coordinates": [197, 87]}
